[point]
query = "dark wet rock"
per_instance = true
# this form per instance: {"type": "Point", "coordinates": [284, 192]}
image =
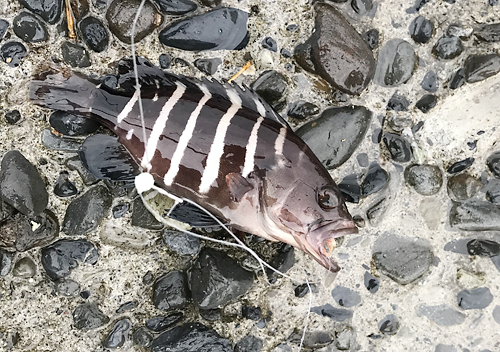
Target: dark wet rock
{"type": "Point", "coordinates": [165, 61]}
{"type": "Point", "coordinates": [457, 80]}
{"type": "Point", "coordinates": [141, 337]}
{"type": "Point", "coordinates": [142, 217]}
{"type": "Point", "coordinates": [12, 116]}
{"type": "Point", "coordinates": [270, 85]}
{"type": "Point", "coordinates": [67, 287]}
{"type": "Point", "coordinates": [270, 44]}
{"type": "Point", "coordinates": [29, 28]}
{"type": "Point", "coordinates": [336, 134]}
{"type": "Point", "coordinates": [249, 344]}
{"type": "Point", "coordinates": [127, 306]}
{"type": "Point", "coordinates": [211, 314]}
{"type": "Point", "coordinates": [361, 7]}
{"type": "Point", "coordinates": [286, 53]}
{"type": "Point", "coordinates": [302, 290]}
{"type": "Point", "coordinates": [402, 259]}
{"type": "Point", "coordinates": [421, 29]}
{"type": "Point", "coordinates": [302, 109]}
{"type": "Point", "coordinates": [447, 48]}
{"type": "Point", "coordinates": [426, 103]}
{"type": "Point", "coordinates": [372, 284]}
{"type": "Point", "coordinates": [325, 53]}
{"type": "Point", "coordinates": [53, 142]}
{"type": "Point", "coordinates": [5, 262]}
{"type": "Point", "coordinates": [13, 53]}
{"type": "Point", "coordinates": [208, 66]}
{"type": "Point", "coordinates": [94, 34]}
{"type": "Point", "coordinates": [425, 179]}
{"type": "Point", "coordinates": [430, 82]}
{"type": "Point", "coordinates": [493, 191]}
{"type": "Point", "coordinates": [216, 279]}
{"type": "Point", "coordinates": [171, 291]}
{"type": "Point", "coordinates": [74, 163]}
{"type": "Point", "coordinates": [488, 32]}
{"type": "Point", "coordinates": [118, 335]}
{"type": "Point", "coordinates": [252, 313]}
{"type": "Point", "coordinates": [346, 297]}
{"type": "Point", "coordinates": [22, 233]}
{"type": "Point", "coordinates": [64, 187]}
{"type": "Point", "coordinates": [4, 26]}
{"type": "Point", "coordinates": [474, 215]}
{"type": "Point", "coordinates": [282, 262]}
{"type": "Point", "coordinates": [181, 243]}
{"type": "Point", "coordinates": [215, 3]}
{"type": "Point", "coordinates": [480, 67]}
{"type": "Point", "coordinates": [445, 348]}
{"type": "Point", "coordinates": [389, 325]}
{"type": "Point", "coordinates": [224, 28]}
{"type": "Point", "coordinates": [88, 316]}
{"type": "Point", "coordinates": [160, 323]}
{"type": "Point", "coordinates": [24, 268]}
{"type": "Point", "coordinates": [484, 248]}
{"type": "Point", "coordinates": [176, 7]}
{"type": "Point", "coordinates": [191, 337]}
{"type": "Point", "coordinates": [120, 210]}
{"type": "Point", "coordinates": [75, 55]}
{"type": "Point", "coordinates": [371, 37]}
{"type": "Point", "coordinates": [312, 339]}
{"type": "Point", "coordinates": [337, 314]}
{"type": "Point", "coordinates": [398, 122]}
{"type": "Point", "coordinates": [376, 179]}
{"type": "Point", "coordinates": [86, 212]}
{"type": "Point", "coordinates": [460, 165]}
{"type": "Point", "coordinates": [49, 10]}
{"type": "Point", "coordinates": [493, 163]}
{"type": "Point", "coordinates": [477, 298]}
{"type": "Point", "coordinates": [21, 185]}
{"type": "Point", "coordinates": [85, 294]}
{"type": "Point", "coordinates": [463, 186]}
{"type": "Point", "coordinates": [399, 147]}
{"type": "Point", "coordinates": [148, 278]}
{"type": "Point", "coordinates": [121, 14]}
{"type": "Point", "coordinates": [398, 102]}
{"type": "Point", "coordinates": [61, 257]}
{"type": "Point", "coordinates": [395, 64]}
{"type": "Point", "coordinates": [377, 210]}
{"type": "Point", "coordinates": [350, 188]}
{"type": "Point", "coordinates": [442, 315]}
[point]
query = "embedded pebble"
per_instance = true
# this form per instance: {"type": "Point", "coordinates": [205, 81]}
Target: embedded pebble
{"type": "Point", "coordinates": [389, 325]}
{"type": "Point", "coordinates": [94, 34]}
{"type": "Point", "coordinates": [127, 306]}
{"type": "Point", "coordinates": [399, 147]}
{"type": "Point", "coordinates": [160, 323]}
{"type": "Point", "coordinates": [396, 63]}
{"type": "Point", "coordinates": [165, 61]}
{"type": "Point", "coordinates": [21, 185]}
{"type": "Point", "coordinates": [181, 243]}
{"type": "Point", "coordinates": [86, 212]}
{"type": "Point", "coordinates": [480, 67]}
{"type": "Point", "coordinates": [87, 316]}
{"type": "Point", "coordinates": [463, 186]}
{"type": "Point", "coordinates": [269, 44]}
{"type": "Point", "coordinates": [474, 215]}
{"type": "Point", "coordinates": [496, 314]}
{"type": "Point", "coordinates": [270, 85]}
{"type": "Point", "coordinates": [121, 14]}
{"type": "Point", "coordinates": [371, 38]}
{"type": "Point", "coordinates": [442, 315]}
{"type": "Point", "coordinates": [282, 262]}
{"type": "Point", "coordinates": [74, 163]}
{"type": "Point", "coordinates": [372, 283]}
{"type": "Point", "coordinates": [120, 210]}
{"type": "Point", "coordinates": [5, 262]}
{"type": "Point", "coordinates": [208, 66]}
{"type": "Point", "coordinates": [302, 109]}
{"type": "Point", "coordinates": [336, 314]}
{"type": "Point", "coordinates": [12, 116]}
{"type": "Point", "coordinates": [210, 314]}
{"type": "Point", "coordinates": [4, 26]}
{"type": "Point", "coordinates": [24, 268]}
{"type": "Point", "coordinates": [430, 82]}
{"type": "Point", "coordinates": [80, 8]}
{"type": "Point", "coordinates": [336, 52]}
{"type": "Point", "coordinates": [171, 291]}
{"type": "Point", "coordinates": [398, 102]}
{"type": "Point", "coordinates": [350, 189]}
{"type": "Point", "coordinates": [457, 80]}
{"type": "Point", "coordinates": [176, 7]}
{"type": "Point", "coordinates": [61, 257]}
{"type": "Point", "coordinates": [460, 165]}
{"type": "Point", "coordinates": [425, 179]}
{"type": "Point", "coordinates": [376, 179]}
{"type": "Point", "coordinates": [142, 217]}
{"type": "Point", "coordinates": [488, 32]}
{"type": "Point", "coordinates": [75, 55]}
{"type": "Point", "coordinates": [29, 28]}
{"type": "Point", "coordinates": [249, 344]}
{"type": "Point", "coordinates": [493, 163]}
{"type": "Point", "coordinates": [377, 210]}
{"type": "Point", "coordinates": [64, 187]}
{"type": "Point", "coordinates": [457, 30]}
{"type": "Point", "coordinates": [53, 142]}
{"type": "Point", "coordinates": [477, 298]}
{"type": "Point", "coordinates": [302, 290]}
{"type": "Point", "coordinates": [361, 7]}
{"type": "Point", "coordinates": [141, 337]}
{"type": "Point", "coordinates": [403, 259]}
{"type": "Point", "coordinates": [421, 29]}
{"type": "Point", "coordinates": [190, 337]}
{"type": "Point", "coordinates": [398, 122]}
{"type": "Point", "coordinates": [220, 29]}
{"type": "Point", "coordinates": [346, 297]}
{"type": "Point", "coordinates": [447, 48]}
{"type": "Point", "coordinates": [426, 103]}
{"type": "Point", "coordinates": [336, 134]}
{"type": "Point", "coordinates": [67, 287]}
{"type": "Point", "coordinates": [49, 10]}
{"type": "Point", "coordinates": [13, 53]}
{"type": "Point", "coordinates": [484, 248]}
{"type": "Point", "coordinates": [118, 335]}
{"type": "Point", "coordinates": [252, 313]}
{"type": "Point", "coordinates": [216, 279]}
{"type": "Point", "coordinates": [492, 189]}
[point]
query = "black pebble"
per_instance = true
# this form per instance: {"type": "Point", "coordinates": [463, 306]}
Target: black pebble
{"type": "Point", "coordinates": [430, 82]}
{"type": "Point", "coordinates": [190, 337]}
{"type": "Point", "coordinates": [171, 291]}
{"type": "Point", "coordinates": [13, 116]}
{"type": "Point", "coordinates": [285, 53]}
{"type": "Point", "coordinates": [426, 103]}
{"type": "Point", "coordinates": [372, 284]}
{"type": "Point", "coordinates": [460, 165]}
{"type": "Point", "coordinates": [49, 10]}
{"type": "Point", "coordinates": [361, 7]}
{"type": "Point", "coordinates": [292, 27]}
{"type": "Point", "coordinates": [483, 248]}
{"type": "Point", "coordinates": [120, 210]}
{"type": "Point", "coordinates": [208, 66]}
{"type": "Point", "coordinates": [176, 7]}
{"type": "Point", "coordinates": [270, 44]}
{"type": "Point", "coordinates": [117, 337]}
{"type": "Point", "coordinates": [127, 306]}
{"type": "Point", "coordinates": [141, 337]}
{"type": "Point", "coordinates": [457, 80]}
{"type": "Point", "coordinates": [448, 48]}
{"type": "Point", "coordinates": [160, 323]}
{"type": "Point", "coordinates": [142, 217]}
{"type": "Point", "coordinates": [88, 316]}
{"type": "Point", "coordinates": [85, 294]}
{"type": "Point", "coordinates": [249, 344]}
{"type": "Point", "coordinates": [75, 55]}
{"type": "Point", "coordinates": [349, 187]}
{"type": "Point", "coordinates": [252, 313]}
{"type": "Point", "coordinates": [371, 37]}
{"type": "Point", "coordinates": [493, 163]}
{"type": "Point", "coordinates": [165, 61]}
{"type": "Point", "coordinates": [398, 102]}
{"type": "Point", "coordinates": [64, 187]}
{"type": "Point", "coordinates": [13, 53]}
{"type": "Point", "coordinates": [480, 67]}
{"type": "Point", "coordinates": [4, 26]}
{"type": "Point", "coordinates": [302, 109]}
{"type": "Point", "coordinates": [389, 325]}
{"type": "Point", "coordinates": [282, 261]}
{"type": "Point", "coordinates": [375, 180]}
{"type": "Point", "coordinates": [5, 262]}
{"type": "Point", "coordinates": [180, 62]}
{"type": "Point", "coordinates": [270, 85]}
{"type": "Point", "coordinates": [29, 28]}
{"type": "Point", "coordinates": [211, 314]}
{"type": "Point", "coordinates": [72, 125]}
{"type": "Point", "coordinates": [398, 146]}
{"type": "Point", "coordinates": [421, 29]}
{"type": "Point", "coordinates": [94, 34]}
{"type": "Point", "coordinates": [302, 290]}
{"type": "Point", "coordinates": [215, 3]}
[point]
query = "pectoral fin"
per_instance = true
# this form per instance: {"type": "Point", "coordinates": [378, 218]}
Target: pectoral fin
{"type": "Point", "coordinates": [238, 185]}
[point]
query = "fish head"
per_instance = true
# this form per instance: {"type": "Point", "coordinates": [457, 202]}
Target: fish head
{"type": "Point", "coordinates": [308, 213]}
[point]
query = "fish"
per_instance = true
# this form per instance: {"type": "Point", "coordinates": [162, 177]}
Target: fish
{"type": "Point", "coordinates": [219, 145]}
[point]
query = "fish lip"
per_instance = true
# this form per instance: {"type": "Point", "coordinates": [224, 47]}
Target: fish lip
{"type": "Point", "coordinates": [334, 229]}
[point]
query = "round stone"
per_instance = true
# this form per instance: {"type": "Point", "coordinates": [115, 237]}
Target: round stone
{"type": "Point", "coordinates": [425, 179]}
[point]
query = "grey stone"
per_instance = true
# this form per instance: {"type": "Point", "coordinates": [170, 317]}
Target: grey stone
{"type": "Point", "coordinates": [442, 315]}
{"type": "Point", "coordinates": [24, 268]}
{"type": "Point", "coordinates": [474, 215]}
{"type": "Point", "coordinates": [346, 297]}
{"type": "Point", "coordinates": [425, 179]}
{"type": "Point", "coordinates": [395, 64]}
{"type": "Point", "coordinates": [445, 348]}
{"type": "Point", "coordinates": [67, 287]}
{"type": "Point", "coordinates": [477, 298]}
{"type": "Point", "coordinates": [496, 314]}
{"type": "Point", "coordinates": [118, 335]}
{"type": "Point", "coordinates": [88, 316]}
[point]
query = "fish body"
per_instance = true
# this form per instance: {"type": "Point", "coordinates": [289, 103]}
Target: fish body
{"type": "Point", "coordinates": [221, 146]}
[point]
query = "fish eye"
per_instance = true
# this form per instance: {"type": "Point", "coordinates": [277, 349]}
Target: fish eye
{"type": "Point", "coordinates": [327, 199]}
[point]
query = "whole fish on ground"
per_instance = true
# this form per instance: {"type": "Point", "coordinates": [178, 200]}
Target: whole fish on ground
{"type": "Point", "coordinates": [221, 146]}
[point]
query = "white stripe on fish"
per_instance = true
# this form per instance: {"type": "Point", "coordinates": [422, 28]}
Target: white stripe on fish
{"type": "Point", "coordinates": [251, 148]}
{"type": "Point", "coordinates": [280, 141]}
{"type": "Point", "coordinates": [128, 107]}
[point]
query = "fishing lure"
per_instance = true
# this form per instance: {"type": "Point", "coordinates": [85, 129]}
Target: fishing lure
{"type": "Point", "coordinates": [217, 145]}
